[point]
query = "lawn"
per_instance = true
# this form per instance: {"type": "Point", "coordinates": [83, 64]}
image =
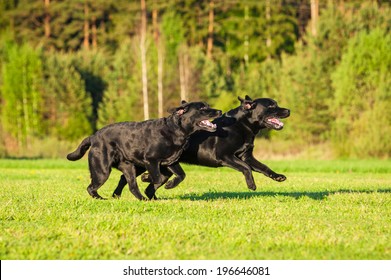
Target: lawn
{"type": "Point", "coordinates": [325, 210]}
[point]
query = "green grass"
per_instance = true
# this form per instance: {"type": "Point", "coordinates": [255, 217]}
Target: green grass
{"type": "Point", "coordinates": [325, 210]}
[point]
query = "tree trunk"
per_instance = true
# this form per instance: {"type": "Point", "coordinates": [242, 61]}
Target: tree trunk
{"type": "Point", "coordinates": [268, 17]}
{"type": "Point", "coordinates": [314, 16]}
{"type": "Point", "coordinates": [47, 19]}
{"type": "Point", "coordinates": [26, 118]}
{"type": "Point", "coordinates": [246, 40]}
{"type": "Point", "coordinates": [304, 15]}
{"type": "Point", "coordinates": [86, 42]}
{"type": "Point", "coordinates": [94, 34]}
{"type": "Point", "coordinates": [156, 36]}
{"type": "Point", "coordinates": [182, 73]}
{"type": "Point", "coordinates": [341, 6]}
{"type": "Point", "coordinates": [143, 51]}
{"type": "Point", "coordinates": [210, 30]}
{"type": "Point", "coordinates": [268, 33]}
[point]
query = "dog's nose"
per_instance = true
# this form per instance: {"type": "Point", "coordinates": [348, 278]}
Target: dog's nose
{"type": "Point", "coordinates": [288, 112]}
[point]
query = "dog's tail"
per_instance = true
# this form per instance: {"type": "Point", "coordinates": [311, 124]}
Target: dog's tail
{"type": "Point", "coordinates": [81, 150]}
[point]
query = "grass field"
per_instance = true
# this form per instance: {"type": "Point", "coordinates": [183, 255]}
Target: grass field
{"type": "Point", "coordinates": [325, 210]}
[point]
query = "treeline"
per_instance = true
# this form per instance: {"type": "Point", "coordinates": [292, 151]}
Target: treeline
{"type": "Point", "coordinates": [71, 67]}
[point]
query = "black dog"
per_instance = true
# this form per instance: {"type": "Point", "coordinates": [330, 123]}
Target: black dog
{"type": "Point", "coordinates": [232, 144]}
{"type": "Point", "coordinates": [134, 147]}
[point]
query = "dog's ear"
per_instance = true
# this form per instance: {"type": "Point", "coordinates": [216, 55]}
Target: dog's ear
{"type": "Point", "coordinates": [179, 111]}
{"type": "Point", "coordinates": [247, 103]}
{"type": "Point", "coordinates": [248, 98]}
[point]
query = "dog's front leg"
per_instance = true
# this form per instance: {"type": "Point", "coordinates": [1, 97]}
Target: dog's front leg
{"type": "Point", "coordinates": [129, 171]}
{"type": "Point", "coordinates": [122, 182]}
{"type": "Point", "coordinates": [151, 189]}
{"type": "Point", "coordinates": [153, 168]}
{"type": "Point", "coordinates": [262, 168]}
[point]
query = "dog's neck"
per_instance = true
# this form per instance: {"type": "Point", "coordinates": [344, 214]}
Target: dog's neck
{"type": "Point", "coordinates": [248, 127]}
{"type": "Point", "coordinates": [176, 121]}
{"type": "Point", "coordinates": [242, 120]}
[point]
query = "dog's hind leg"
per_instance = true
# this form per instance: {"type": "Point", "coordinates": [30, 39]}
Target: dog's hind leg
{"type": "Point", "coordinates": [100, 172]}
{"type": "Point", "coordinates": [129, 171]}
{"type": "Point", "coordinates": [122, 182]}
{"type": "Point", "coordinates": [180, 175]}
{"type": "Point", "coordinates": [243, 167]}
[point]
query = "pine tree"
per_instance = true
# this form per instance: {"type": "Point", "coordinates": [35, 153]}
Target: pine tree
{"type": "Point", "coordinates": [120, 102]}
{"type": "Point", "coordinates": [67, 107]}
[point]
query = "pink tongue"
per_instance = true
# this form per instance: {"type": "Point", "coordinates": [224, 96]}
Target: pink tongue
{"type": "Point", "coordinates": [276, 121]}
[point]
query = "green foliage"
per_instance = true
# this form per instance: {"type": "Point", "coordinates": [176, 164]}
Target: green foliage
{"type": "Point", "coordinates": [68, 106]}
{"type": "Point", "coordinates": [363, 95]}
{"type": "Point", "coordinates": [21, 92]}
{"type": "Point", "coordinates": [173, 34]}
{"type": "Point", "coordinates": [120, 99]}
{"type": "Point", "coordinates": [305, 78]}
{"type": "Point", "coordinates": [244, 29]}
{"type": "Point", "coordinates": [325, 210]}
{"type": "Point", "coordinates": [92, 75]}
{"type": "Point", "coordinates": [93, 68]}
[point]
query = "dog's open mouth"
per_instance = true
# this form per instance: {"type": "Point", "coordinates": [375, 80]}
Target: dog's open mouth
{"type": "Point", "coordinates": [274, 122]}
{"type": "Point", "coordinates": [206, 124]}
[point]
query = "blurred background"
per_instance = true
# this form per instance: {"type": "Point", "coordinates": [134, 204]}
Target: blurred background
{"type": "Point", "coordinates": [70, 67]}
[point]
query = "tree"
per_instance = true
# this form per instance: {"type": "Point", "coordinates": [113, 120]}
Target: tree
{"type": "Point", "coordinates": [362, 96]}
{"type": "Point", "coordinates": [210, 30]}
{"type": "Point", "coordinates": [67, 111]}
{"type": "Point", "coordinates": [143, 53]}
{"type": "Point", "coordinates": [314, 16]}
{"type": "Point", "coordinates": [47, 19]}
{"type": "Point", "coordinates": [93, 68]}
{"type": "Point", "coordinates": [21, 93]}
{"type": "Point", "coordinates": [121, 99]}
{"type": "Point", "coordinates": [160, 55]}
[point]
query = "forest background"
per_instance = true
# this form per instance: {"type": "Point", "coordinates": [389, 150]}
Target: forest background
{"type": "Point", "coordinates": [70, 67]}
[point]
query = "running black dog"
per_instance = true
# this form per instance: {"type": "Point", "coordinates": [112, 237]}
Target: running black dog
{"type": "Point", "coordinates": [231, 145]}
{"type": "Point", "coordinates": [134, 147]}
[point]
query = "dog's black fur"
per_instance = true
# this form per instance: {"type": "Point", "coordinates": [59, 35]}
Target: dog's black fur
{"type": "Point", "coordinates": [134, 147]}
{"type": "Point", "coordinates": [231, 145]}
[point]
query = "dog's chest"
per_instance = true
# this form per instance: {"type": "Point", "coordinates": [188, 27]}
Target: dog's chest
{"type": "Point", "coordinates": [173, 153]}
{"type": "Point", "coordinates": [244, 150]}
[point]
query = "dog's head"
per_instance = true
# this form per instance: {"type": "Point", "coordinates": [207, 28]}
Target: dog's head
{"type": "Point", "coordinates": [195, 116]}
{"type": "Point", "coordinates": [261, 113]}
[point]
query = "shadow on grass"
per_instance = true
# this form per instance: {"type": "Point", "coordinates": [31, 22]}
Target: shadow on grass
{"type": "Point", "coordinates": [247, 195]}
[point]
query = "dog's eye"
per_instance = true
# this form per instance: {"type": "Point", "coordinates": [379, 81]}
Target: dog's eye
{"type": "Point", "coordinates": [204, 108]}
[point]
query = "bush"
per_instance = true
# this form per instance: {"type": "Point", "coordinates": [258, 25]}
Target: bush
{"type": "Point", "coordinates": [363, 96]}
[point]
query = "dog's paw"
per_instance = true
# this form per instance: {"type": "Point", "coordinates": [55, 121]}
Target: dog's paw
{"type": "Point", "coordinates": [170, 185]}
{"type": "Point", "coordinates": [145, 178]}
{"type": "Point", "coordinates": [278, 177]}
{"type": "Point", "coordinates": [252, 187]}
{"type": "Point", "coordinates": [150, 193]}
{"type": "Point", "coordinates": [117, 196]}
